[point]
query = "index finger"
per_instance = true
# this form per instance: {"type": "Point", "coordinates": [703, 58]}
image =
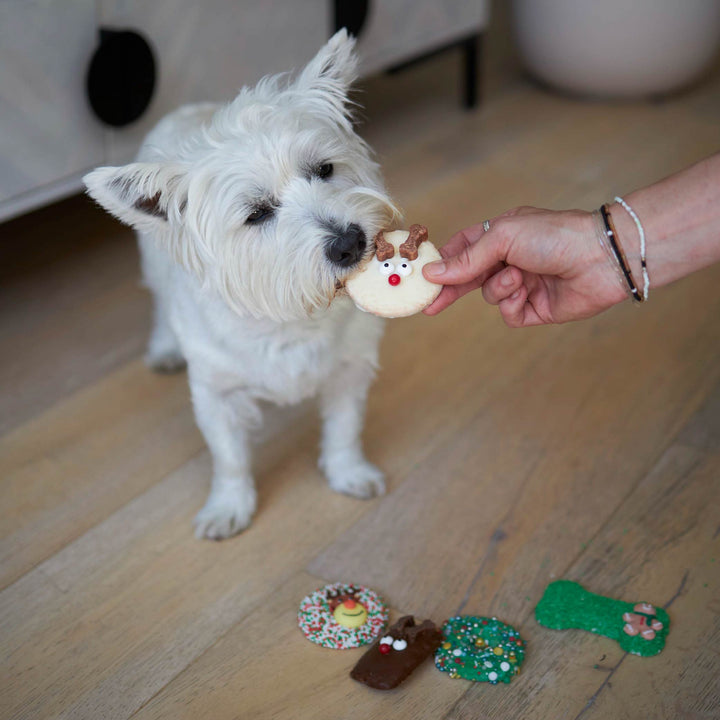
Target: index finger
{"type": "Point", "coordinates": [462, 239]}
{"type": "Point", "coordinates": [467, 258]}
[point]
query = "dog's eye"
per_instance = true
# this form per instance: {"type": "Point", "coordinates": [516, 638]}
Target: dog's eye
{"type": "Point", "coordinates": [324, 171]}
{"type": "Point", "coordinates": [263, 212]}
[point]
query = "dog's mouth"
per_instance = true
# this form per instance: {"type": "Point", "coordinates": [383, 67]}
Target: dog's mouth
{"type": "Point", "coordinates": [370, 251]}
{"type": "Point", "coordinates": [340, 281]}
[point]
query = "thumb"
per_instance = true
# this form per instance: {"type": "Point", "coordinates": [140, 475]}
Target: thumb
{"type": "Point", "coordinates": [470, 261]}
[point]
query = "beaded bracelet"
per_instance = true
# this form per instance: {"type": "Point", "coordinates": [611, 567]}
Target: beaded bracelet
{"type": "Point", "coordinates": [641, 232]}
{"type": "Point", "coordinates": [614, 240]}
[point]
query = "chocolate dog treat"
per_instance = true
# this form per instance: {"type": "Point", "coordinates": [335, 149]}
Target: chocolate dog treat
{"type": "Point", "coordinates": [405, 645]}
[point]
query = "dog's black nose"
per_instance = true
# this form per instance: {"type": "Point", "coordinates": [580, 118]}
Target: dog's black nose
{"type": "Point", "coordinates": [346, 247]}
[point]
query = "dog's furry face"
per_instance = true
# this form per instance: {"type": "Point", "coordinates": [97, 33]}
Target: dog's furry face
{"type": "Point", "coordinates": [262, 201]}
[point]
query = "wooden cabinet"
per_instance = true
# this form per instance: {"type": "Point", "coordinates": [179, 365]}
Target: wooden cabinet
{"type": "Point", "coordinates": [204, 50]}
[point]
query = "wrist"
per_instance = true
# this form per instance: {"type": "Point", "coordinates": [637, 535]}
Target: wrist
{"type": "Point", "coordinates": [631, 240]}
{"type": "Point", "coordinates": [606, 268]}
{"type": "Point", "coordinates": [681, 219]}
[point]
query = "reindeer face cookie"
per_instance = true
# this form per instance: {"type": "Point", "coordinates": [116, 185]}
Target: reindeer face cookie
{"type": "Point", "coordinates": [342, 616]}
{"type": "Point", "coordinates": [390, 661]}
{"type": "Point", "coordinates": [392, 285]}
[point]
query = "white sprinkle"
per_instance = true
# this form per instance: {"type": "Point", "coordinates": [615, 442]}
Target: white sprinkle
{"type": "Point", "coordinates": [504, 666]}
{"type": "Point", "coordinates": [492, 676]}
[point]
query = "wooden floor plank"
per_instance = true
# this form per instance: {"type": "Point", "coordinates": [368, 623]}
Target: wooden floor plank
{"type": "Point", "coordinates": [265, 668]}
{"type": "Point", "coordinates": [137, 566]}
{"type": "Point", "coordinates": [71, 309]}
{"type": "Point", "coordinates": [90, 454]}
{"type": "Point", "coordinates": [658, 547]}
{"type": "Point", "coordinates": [512, 457]}
{"type": "Point", "coordinates": [546, 450]}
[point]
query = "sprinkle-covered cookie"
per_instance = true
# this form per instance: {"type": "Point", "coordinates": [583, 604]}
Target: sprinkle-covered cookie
{"type": "Point", "coordinates": [640, 628]}
{"type": "Point", "coordinates": [342, 616]}
{"type": "Point", "coordinates": [482, 649]}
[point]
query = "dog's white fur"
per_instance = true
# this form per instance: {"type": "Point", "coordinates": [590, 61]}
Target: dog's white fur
{"type": "Point", "coordinates": [253, 308]}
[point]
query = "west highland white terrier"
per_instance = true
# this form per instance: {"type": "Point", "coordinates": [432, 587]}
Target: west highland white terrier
{"type": "Point", "coordinates": [250, 216]}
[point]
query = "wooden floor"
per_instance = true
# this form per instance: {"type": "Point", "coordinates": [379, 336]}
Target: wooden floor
{"type": "Point", "coordinates": [589, 451]}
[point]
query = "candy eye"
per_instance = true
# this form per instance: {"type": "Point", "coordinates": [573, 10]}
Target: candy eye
{"type": "Point", "coordinates": [404, 269]}
{"type": "Point", "coordinates": [399, 644]}
{"type": "Point", "coordinates": [387, 640]}
{"type": "Point", "coordinates": [387, 268]}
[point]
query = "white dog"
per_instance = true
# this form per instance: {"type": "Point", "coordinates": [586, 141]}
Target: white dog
{"type": "Point", "coordinates": [250, 216]}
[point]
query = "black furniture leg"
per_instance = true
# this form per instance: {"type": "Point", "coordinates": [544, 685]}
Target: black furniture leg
{"type": "Point", "coordinates": [472, 52]}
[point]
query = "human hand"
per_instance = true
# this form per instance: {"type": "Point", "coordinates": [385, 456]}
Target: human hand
{"type": "Point", "coordinates": [538, 267]}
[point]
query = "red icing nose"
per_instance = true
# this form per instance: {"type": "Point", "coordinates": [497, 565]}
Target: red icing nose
{"type": "Point", "coordinates": [394, 279]}
{"type": "Point", "coordinates": [349, 604]}
{"type": "Point", "coordinates": [384, 648]}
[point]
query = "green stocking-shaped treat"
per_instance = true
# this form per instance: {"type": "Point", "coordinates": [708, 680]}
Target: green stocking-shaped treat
{"type": "Point", "coordinates": [640, 628]}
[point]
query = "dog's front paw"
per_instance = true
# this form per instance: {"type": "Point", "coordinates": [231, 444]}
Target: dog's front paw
{"type": "Point", "coordinates": [228, 511]}
{"type": "Point", "coordinates": [359, 479]}
{"type": "Point", "coordinates": [165, 363]}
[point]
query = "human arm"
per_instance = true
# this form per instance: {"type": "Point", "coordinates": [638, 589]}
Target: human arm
{"type": "Point", "coordinates": [543, 266]}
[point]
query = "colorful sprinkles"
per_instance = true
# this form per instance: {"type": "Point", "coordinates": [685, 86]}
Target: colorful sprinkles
{"type": "Point", "coordinates": [481, 649]}
{"type": "Point", "coordinates": [639, 628]}
{"type": "Point", "coordinates": [316, 620]}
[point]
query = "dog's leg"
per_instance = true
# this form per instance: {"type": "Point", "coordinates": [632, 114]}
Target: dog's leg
{"type": "Point", "coordinates": [342, 404]}
{"type": "Point", "coordinates": [225, 420]}
{"type": "Point", "coordinates": [163, 352]}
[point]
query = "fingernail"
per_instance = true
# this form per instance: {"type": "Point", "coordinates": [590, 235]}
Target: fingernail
{"type": "Point", "coordinates": [435, 268]}
{"type": "Point", "coordinates": [507, 278]}
{"type": "Point", "coordinates": [515, 295]}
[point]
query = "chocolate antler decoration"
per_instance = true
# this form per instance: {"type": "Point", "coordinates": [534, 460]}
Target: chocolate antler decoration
{"type": "Point", "coordinates": [409, 249]}
{"type": "Point", "coordinates": [384, 250]}
{"type": "Point", "coordinates": [339, 595]}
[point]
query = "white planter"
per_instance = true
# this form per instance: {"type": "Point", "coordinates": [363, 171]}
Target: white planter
{"type": "Point", "coordinates": [619, 48]}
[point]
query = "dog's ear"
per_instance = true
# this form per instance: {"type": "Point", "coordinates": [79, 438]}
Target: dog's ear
{"type": "Point", "coordinates": [332, 71]}
{"type": "Point", "coordinates": [144, 195]}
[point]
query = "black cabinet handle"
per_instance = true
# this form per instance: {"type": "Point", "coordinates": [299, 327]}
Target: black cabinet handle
{"type": "Point", "coordinates": [121, 77]}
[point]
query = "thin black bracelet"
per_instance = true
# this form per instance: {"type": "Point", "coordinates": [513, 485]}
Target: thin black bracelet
{"type": "Point", "coordinates": [614, 240]}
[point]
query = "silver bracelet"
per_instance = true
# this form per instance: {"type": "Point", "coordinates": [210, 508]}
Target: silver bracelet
{"type": "Point", "coordinates": [643, 257]}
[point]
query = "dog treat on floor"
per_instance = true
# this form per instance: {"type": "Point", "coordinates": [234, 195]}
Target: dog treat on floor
{"type": "Point", "coordinates": [482, 649]}
{"type": "Point", "coordinates": [392, 284]}
{"type": "Point", "coordinates": [393, 658]}
{"type": "Point", "coordinates": [639, 628]}
{"type": "Point", "coordinates": [341, 616]}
